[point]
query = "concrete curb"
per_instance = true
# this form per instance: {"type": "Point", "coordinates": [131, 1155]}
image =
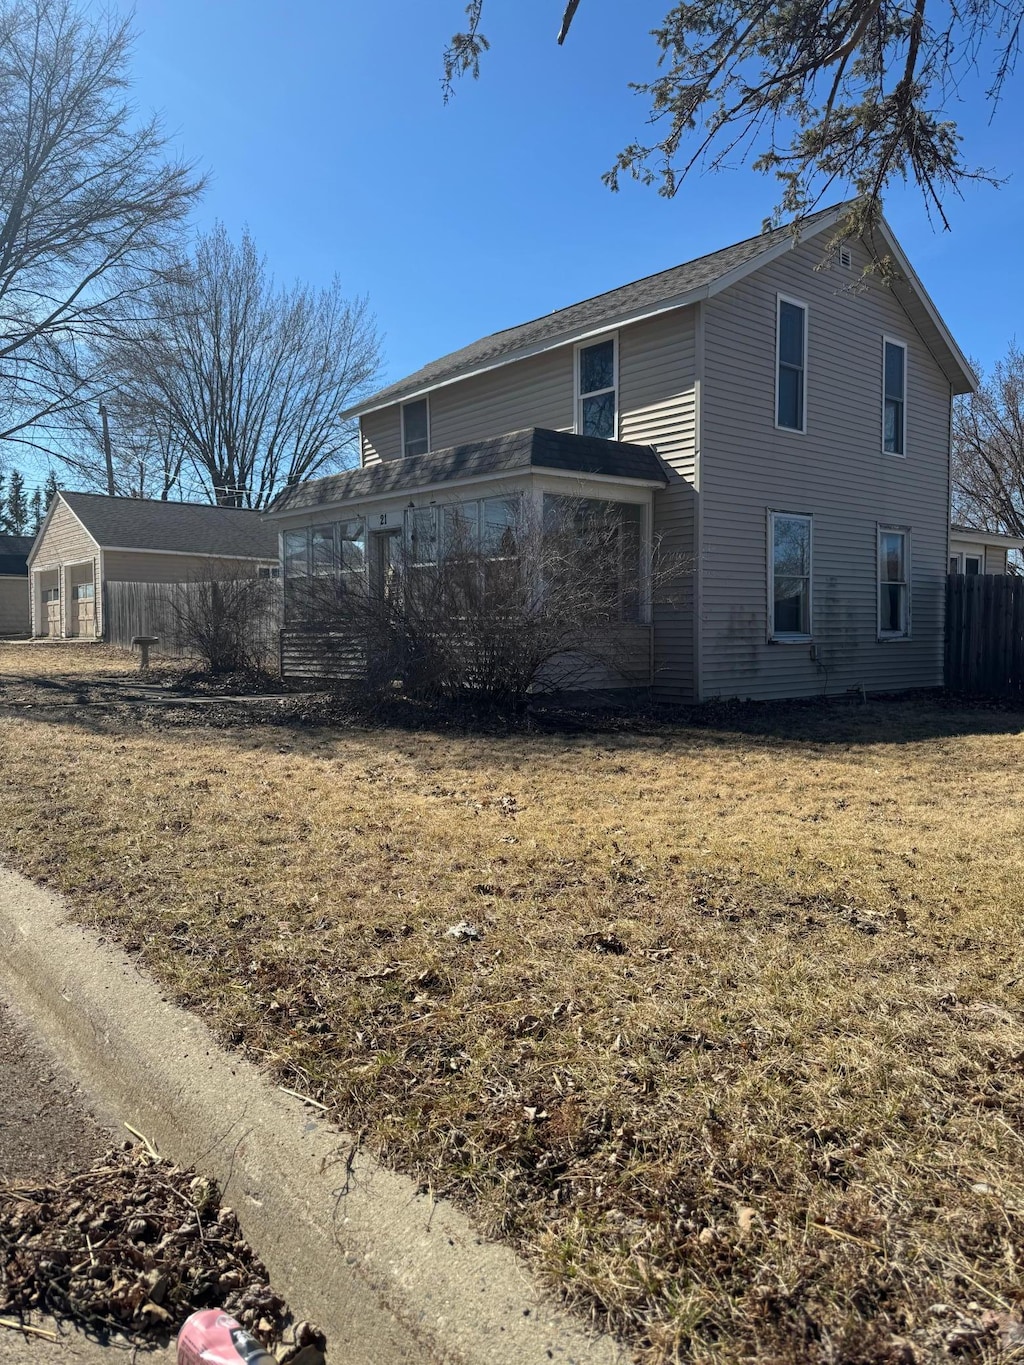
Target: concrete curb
{"type": "Point", "coordinates": [389, 1276]}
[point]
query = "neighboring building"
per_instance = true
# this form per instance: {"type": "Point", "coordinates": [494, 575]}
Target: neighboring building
{"type": "Point", "coordinates": [88, 540]}
{"type": "Point", "coordinates": [974, 552]}
{"type": "Point", "coordinates": [800, 410]}
{"type": "Point", "coordinates": [14, 607]}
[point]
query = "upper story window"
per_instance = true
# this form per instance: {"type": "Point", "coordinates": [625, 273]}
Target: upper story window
{"type": "Point", "coordinates": [893, 583]}
{"type": "Point", "coordinates": [596, 384]}
{"type": "Point", "coordinates": [416, 427]}
{"type": "Point", "coordinates": [791, 358]}
{"type": "Point", "coordinates": [894, 405]}
{"type": "Point", "coordinates": [789, 577]}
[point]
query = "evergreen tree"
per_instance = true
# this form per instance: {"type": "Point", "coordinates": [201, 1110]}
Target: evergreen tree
{"type": "Point", "coordinates": [17, 504]}
{"type": "Point", "coordinates": [36, 511]}
{"type": "Point", "coordinates": [49, 490]}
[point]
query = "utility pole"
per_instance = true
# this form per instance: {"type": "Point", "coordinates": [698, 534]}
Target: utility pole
{"type": "Point", "coordinates": [106, 450]}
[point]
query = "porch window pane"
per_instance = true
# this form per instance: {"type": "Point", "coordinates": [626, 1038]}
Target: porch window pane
{"type": "Point", "coordinates": [296, 554]}
{"type": "Point", "coordinates": [608, 536]}
{"type": "Point", "coordinates": [353, 546]}
{"type": "Point", "coordinates": [461, 529]}
{"type": "Point", "coordinates": [500, 527]}
{"type": "Point", "coordinates": [323, 552]}
{"type": "Point", "coordinates": [423, 536]}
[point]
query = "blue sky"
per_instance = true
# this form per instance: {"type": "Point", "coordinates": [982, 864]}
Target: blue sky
{"type": "Point", "coordinates": [323, 128]}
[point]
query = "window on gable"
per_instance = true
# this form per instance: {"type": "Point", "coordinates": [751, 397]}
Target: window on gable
{"type": "Point", "coordinates": [789, 571]}
{"type": "Point", "coordinates": [893, 584]}
{"type": "Point", "coordinates": [595, 387]}
{"type": "Point", "coordinates": [791, 384]}
{"type": "Point", "coordinates": [894, 419]}
{"type": "Point", "coordinates": [415, 427]}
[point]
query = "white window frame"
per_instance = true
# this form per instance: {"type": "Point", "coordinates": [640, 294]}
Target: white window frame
{"type": "Point", "coordinates": [884, 528]}
{"type": "Point", "coordinates": [426, 400]}
{"type": "Point", "coordinates": [895, 341]}
{"type": "Point", "coordinates": [580, 346]}
{"type": "Point", "coordinates": [787, 637]}
{"type": "Point", "coordinates": [981, 563]}
{"type": "Point", "coordinates": [780, 299]}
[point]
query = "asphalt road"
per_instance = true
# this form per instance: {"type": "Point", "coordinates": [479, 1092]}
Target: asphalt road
{"type": "Point", "coordinates": [47, 1128]}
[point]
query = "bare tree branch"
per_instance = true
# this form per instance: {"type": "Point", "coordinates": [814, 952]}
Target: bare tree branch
{"type": "Point", "coordinates": [89, 201]}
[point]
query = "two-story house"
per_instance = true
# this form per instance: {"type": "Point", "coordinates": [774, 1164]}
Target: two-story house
{"type": "Point", "coordinates": [770, 413]}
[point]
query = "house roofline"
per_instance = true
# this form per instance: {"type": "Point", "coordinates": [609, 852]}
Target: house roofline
{"type": "Point", "coordinates": [985, 537]}
{"type": "Point", "coordinates": [575, 335]}
{"type": "Point", "coordinates": [444, 485]}
{"type": "Point", "coordinates": [934, 316]}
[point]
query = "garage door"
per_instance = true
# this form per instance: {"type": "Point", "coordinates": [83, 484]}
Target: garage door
{"type": "Point", "coordinates": [51, 611]}
{"type": "Point", "coordinates": [83, 609]}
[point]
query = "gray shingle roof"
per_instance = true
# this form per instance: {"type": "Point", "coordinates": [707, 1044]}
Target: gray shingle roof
{"type": "Point", "coordinates": [188, 527]}
{"type": "Point", "coordinates": [594, 313]}
{"type": "Point", "coordinates": [14, 555]}
{"type": "Point", "coordinates": [534, 447]}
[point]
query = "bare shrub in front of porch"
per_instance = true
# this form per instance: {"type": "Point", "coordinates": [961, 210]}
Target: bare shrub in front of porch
{"type": "Point", "coordinates": [223, 621]}
{"type": "Point", "coordinates": [494, 610]}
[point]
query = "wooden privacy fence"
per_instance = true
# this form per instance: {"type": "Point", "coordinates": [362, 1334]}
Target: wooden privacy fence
{"type": "Point", "coordinates": [985, 634]}
{"type": "Point", "coordinates": [131, 609]}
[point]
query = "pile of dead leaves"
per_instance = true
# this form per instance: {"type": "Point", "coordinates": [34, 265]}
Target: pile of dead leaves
{"type": "Point", "coordinates": [133, 1246]}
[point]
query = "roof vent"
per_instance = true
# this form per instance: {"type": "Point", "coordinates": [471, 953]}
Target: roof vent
{"type": "Point", "coordinates": [845, 257]}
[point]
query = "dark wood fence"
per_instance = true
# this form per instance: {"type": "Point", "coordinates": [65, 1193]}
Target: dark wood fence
{"type": "Point", "coordinates": [985, 634]}
{"type": "Point", "coordinates": [131, 609]}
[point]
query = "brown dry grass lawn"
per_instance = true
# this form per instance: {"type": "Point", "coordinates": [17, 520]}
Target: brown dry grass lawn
{"type": "Point", "coordinates": [739, 1057]}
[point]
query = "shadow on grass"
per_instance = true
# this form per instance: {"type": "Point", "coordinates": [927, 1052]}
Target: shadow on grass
{"type": "Point", "coordinates": [307, 721]}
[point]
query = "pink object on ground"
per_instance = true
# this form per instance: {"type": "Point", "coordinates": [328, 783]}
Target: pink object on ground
{"type": "Point", "coordinates": [215, 1338]}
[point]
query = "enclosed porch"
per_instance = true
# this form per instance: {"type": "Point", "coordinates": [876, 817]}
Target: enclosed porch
{"type": "Point", "coordinates": [443, 558]}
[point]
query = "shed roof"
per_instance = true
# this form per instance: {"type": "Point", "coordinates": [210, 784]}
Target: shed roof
{"type": "Point", "coordinates": [14, 555]}
{"type": "Point", "coordinates": [196, 528]}
{"type": "Point", "coordinates": [531, 448]}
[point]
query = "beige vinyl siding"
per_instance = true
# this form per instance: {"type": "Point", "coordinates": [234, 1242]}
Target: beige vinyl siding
{"type": "Point", "coordinates": [14, 610]}
{"type": "Point", "coordinates": [149, 566]}
{"type": "Point", "coordinates": [537, 392]}
{"type": "Point", "coordinates": [65, 543]}
{"type": "Point", "coordinates": [380, 435]}
{"type": "Point", "coordinates": [656, 407]}
{"type": "Point", "coordinates": [995, 559]}
{"type": "Point", "coordinates": [837, 473]}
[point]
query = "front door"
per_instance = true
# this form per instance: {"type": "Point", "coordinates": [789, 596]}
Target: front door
{"type": "Point", "coordinates": [83, 611]}
{"type": "Point", "coordinates": [386, 561]}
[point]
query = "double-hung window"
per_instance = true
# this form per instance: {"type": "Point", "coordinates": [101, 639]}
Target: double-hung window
{"type": "Point", "coordinates": [894, 400]}
{"type": "Point", "coordinates": [596, 398]}
{"type": "Point", "coordinates": [416, 427]}
{"type": "Point", "coordinates": [791, 365]}
{"type": "Point", "coordinates": [789, 577]}
{"type": "Point", "coordinates": [893, 583]}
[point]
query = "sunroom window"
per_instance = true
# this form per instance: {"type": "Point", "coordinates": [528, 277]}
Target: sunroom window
{"type": "Point", "coordinates": [607, 539]}
{"type": "Point", "coordinates": [596, 390]}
